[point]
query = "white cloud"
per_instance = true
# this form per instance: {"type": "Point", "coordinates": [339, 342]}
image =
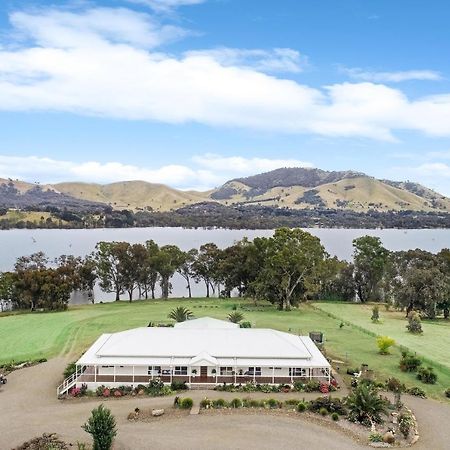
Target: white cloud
{"type": "Point", "coordinates": [276, 60]}
{"type": "Point", "coordinates": [392, 77]}
{"type": "Point", "coordinates": [166, 5]}
{"type": "Point", "coordinates": [93, 28]}
{"type": "Point", "coordinates": [241, 165]}
{"type": "Point", "coordinates": [206, 172]}
{"type": "Point", "coordinates": [76, 64]}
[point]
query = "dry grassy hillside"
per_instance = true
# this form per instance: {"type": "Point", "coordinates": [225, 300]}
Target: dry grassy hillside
{"type": "Point", "coordinates": [132, 195]}
{"type": "Point", "coordinates": [358, 193]}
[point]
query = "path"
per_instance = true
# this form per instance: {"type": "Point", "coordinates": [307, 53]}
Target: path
{"type": "Point", "coordinates": [28, 408]}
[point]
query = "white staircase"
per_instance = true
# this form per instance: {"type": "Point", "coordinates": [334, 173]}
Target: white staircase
{"type": "Point", "coordinates": [69, 382]}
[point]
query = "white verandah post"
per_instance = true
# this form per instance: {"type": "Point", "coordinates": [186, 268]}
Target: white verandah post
{"type": "Point", "coordinates": [114, 373]}
{"type": "Point", "coordinates": [254, 374]}
{"type": "Point", "coordinates": [95, 373]}
{"type": "Point", "coordinates": [217, 372]}
{"type": "Point", "coordinates": [133, 376]}
{"type": "Point", "coordinates": [310, 375]}
{"type": "Point", "coordinates": [273, 375]}
{"type": "Point", "coordinates": [329, 375]}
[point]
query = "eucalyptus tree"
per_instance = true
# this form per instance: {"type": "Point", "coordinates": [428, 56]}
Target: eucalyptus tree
{"type": "Point", "coordinates": [109, 270]}
{"type": "Point", "coordinates": [205, 266]}
{"type": "Point", "coordinates": [168, 261]}
{"type": "Point", "coordinates": [370, 264]}
{"type": "Point", "coordinates": [288, 262]}
{"type": "Point", "coordinates": [186, 268]}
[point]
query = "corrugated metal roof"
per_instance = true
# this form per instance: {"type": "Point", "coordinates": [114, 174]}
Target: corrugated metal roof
{"type": "Point", "coordinates": [227, 346]}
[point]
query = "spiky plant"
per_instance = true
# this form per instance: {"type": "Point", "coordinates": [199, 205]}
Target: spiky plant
{"type": "Point", "coordinates": [235, 317]}
{"type": "Point", "coordinates": [180, 314]}
{"type": "Point", "coordinates": [365, 405]}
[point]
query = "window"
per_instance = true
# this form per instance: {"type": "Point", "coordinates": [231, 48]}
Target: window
{"type": "Point", "coordinates": [155, 370]}
{"type": "Point", "coordinates": [297, 372]}
{"type": "Point", "coordinates": [226, 371]}
{"type": "Point", "coordinates": [254, 371]}
{"type": "Point", "coordinates": [180, 370]}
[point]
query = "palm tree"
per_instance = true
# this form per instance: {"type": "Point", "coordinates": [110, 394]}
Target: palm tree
{"type": "Point", "coordinates": [180, 314]}
{"type": "Point", "coordinates": [365, 405]}
{"type": "Point", "coordinates": [235, 317]}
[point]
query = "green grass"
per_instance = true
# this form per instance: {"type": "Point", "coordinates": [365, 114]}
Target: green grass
{"type": "Point", "coordinates": [432, 345]}
{"type": "Point", "coordinates": [38, 335]}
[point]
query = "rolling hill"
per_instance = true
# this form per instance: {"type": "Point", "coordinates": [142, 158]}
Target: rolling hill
{"type": "Point", "coordinates": [300, 188]}
{"type": "Point", "coordinates": [134, 195]}
{"type": "Point", "coordinates": [286, 188]}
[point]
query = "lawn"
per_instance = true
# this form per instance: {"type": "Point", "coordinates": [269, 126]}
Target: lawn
{"type": "Point", "coordinates": [30, 336]}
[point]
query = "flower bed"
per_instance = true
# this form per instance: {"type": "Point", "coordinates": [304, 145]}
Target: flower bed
{"type": "Point", "coordinates": [298, 386]}
{"type": "Point", "coordinates": [156, 388]}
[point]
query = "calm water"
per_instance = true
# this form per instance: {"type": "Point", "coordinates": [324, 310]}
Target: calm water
{"type": "Point", "coordinates": [15, 243]}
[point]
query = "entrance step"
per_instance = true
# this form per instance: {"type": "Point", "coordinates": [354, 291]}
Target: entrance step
{"type": "Point", "coordinates": [195, 410]}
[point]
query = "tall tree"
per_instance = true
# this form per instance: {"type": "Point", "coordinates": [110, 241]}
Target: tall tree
{"type": "Point", "coordinates": [168, 261]}
{"type": "Point", "coordinates": [370, 261]}
{"type": "Point", "coordinates": [186, 269]}
{"type": "Point", "coordinates": [107, 257]}
{"type": "Point", "coordinates": [205, 265]}
{"type": "Point", "coordinates": [291, 258]}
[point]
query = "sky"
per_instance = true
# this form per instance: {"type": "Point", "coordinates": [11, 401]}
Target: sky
{"type": "Point", "coordinates": [191, 93]}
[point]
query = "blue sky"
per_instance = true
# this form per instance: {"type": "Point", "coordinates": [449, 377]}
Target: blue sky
{"type": "Point", "coordinates": [191, 93]}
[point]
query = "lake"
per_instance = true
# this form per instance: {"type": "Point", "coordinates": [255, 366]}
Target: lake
{"type": "Point", "coordinates": [337, 241]}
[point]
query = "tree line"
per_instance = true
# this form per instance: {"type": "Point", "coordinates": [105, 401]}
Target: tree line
{"type": "Point", "coordinates": [290, 267]}
{"type": "Point", "coordinates": [239, 216]}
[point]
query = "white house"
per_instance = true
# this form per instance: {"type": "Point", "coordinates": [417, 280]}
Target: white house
{"type": "Point", "coordinates": [201, 352]}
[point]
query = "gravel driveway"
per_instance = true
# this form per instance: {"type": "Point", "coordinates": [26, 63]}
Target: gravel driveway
{"type": "Point", "coordinates": [29, 407]}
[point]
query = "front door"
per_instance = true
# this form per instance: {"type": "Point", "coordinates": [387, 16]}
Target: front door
{"type": "Point", "coordinates": [203, 373]}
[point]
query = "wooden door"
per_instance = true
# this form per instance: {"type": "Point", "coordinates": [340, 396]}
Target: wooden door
{"type": "Point", "coordinates": [203, 373]}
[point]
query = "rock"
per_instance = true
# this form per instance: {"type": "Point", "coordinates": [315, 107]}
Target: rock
{"type": "Point", "coordinates": [157, 412]}
{"type": "Point", "coordinates": [389, 437]}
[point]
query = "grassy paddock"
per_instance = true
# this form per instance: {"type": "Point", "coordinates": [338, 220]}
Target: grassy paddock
{"type": "Point", "coordinates": [37, 335]}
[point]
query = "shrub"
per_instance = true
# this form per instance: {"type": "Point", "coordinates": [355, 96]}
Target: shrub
{"type": "Point", "coordinates": [447, 393]}
{"type": "Point", "coordinates": [99, 391]}
{"type": "Point", "coordinates": [330, 404]}
{"type": "Point", "coordinates": [291, 402]}
{"type": "Point", "coordinates": [178, 385]}
{"type": "Point", "coordinates": [396, 387]}
{"type": "Point", "coordinates": [272, 403]}
{"type": "Point", "coordinates": [384, 344]}
{"type": "Point", "coordinates": [324, 388]}
{"type": "Point", "coordinates": [409, 362]}
{"type": "Point", "coordinates": [186, 403]}
{"type": "Point", "coordinates": [312, 386]}
{"type": "Point", "coordinates": [106, 392]}
{"type": "Point", "coordinates": [299, 386]}
{"type": "Point", "coordinates": [323, 411]}
{"type": "Point", "coordinates": [405, 423]}
{"type": "Point", "coordinates": [70, 369]}
{"type": "Point", "coordinates": [335, 416]}
{"type": "Point", "coordinates": [351, 371]}
{"type": "Point", "coordinates": [417, 392]}
{"type": "Point", "coordinates": [102, 427]}
{"type": "Point", "coordinates": [375, 314]}
{"type": "Point", "coordinates": [427, 375]}
{"type": "Point", "coordinates": [206, 403]}
{"type": "Point", "coordinates": [117, 393]}
{"type": "Point", "coordinates": [236, 403]}
{"type": "Point", "coordinates": [255, 403]}
{"type": "Point", "coordinates": [414, 323]}
{"type": "Point", "coordinates": [219, 403]}
{"type": "Point", "coordinates": [375, 437]}
{"type": "Point", "coordinates": [245, 324]}
{"type": "Point", "coordinates": [156, 388]}
{"type": "Point", "coordinates": [301, 407]}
